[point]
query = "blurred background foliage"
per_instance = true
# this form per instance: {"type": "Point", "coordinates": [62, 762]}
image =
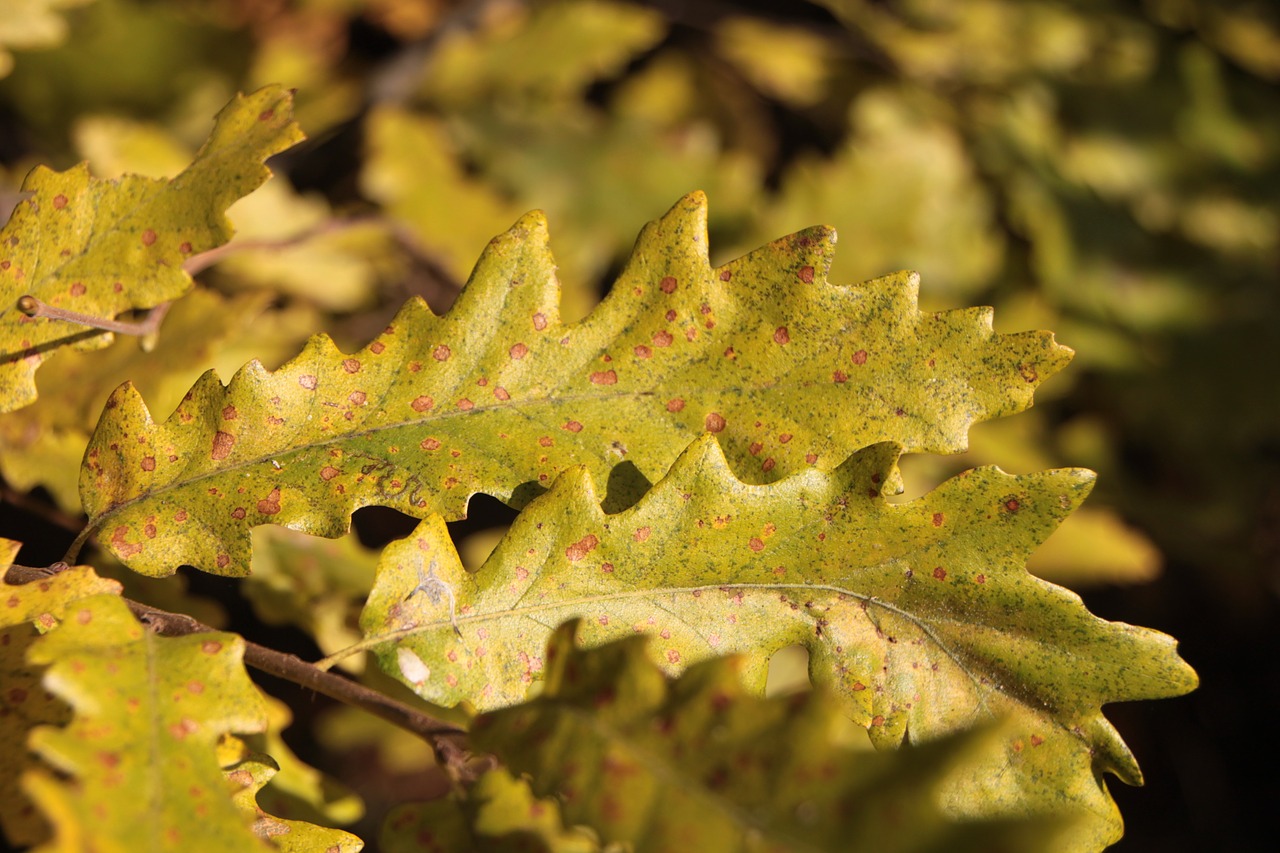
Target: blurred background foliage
{"type": "Point", "coordinates": [1107, 170]}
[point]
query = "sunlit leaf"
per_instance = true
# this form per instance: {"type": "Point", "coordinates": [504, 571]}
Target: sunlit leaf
{"type": "Point", "coordinates": [921, 618]}
{"type": "Point", "coordinates": [289, 836]}
{"type": "Point", "coordinates": [498, 396]}
{"type": "Point", "coordinates": [104, 247]}
{"type": "Point", "coordinates": [139, 753]}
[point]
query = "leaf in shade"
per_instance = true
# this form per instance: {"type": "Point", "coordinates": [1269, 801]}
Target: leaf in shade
{"type": "Point", "coordinates": [920, 618]}
{"type": "Point", "coordinates": [105, 247]}
{"type": "Point", "coordinates": [698, 764]}
{"type": "Point", "coordinates": [498, 396]}
{"type": "Point", "coordinates": [288, 836]}
{"type": "Point", "coordinates": [140, 750]}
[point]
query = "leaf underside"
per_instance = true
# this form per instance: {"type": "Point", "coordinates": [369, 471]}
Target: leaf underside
{"type": "Point", "coordinates": [790, 372]}
{"type": "Point", "coordinates": [697, 764]}
{"type": "Point", "coordinates": [105, 247]}
{"type": "Point", "coordinates": [920, 618]}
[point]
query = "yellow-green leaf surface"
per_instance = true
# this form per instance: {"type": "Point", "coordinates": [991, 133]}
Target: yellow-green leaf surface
{"type": "Point", "coordinates": [499, 813]}
{"type": "Point", "coordinates": [105, 247]}
{"type": "Point", "coordinates": [921, 618]}
{"type": "Point", "coordinates": [140, 749]}
{"type": "Point", "coordinates": [698, 764]}
{"type": "Point", "coordinates": [498, 396]}
{"type": "Point", "coordinates": [27, 611]}
{"type": "Point", "coordinates": [289, 836]}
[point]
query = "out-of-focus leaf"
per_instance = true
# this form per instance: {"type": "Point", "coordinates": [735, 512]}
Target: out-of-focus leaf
{"type": "Point", "coordinates": [788, 63]}
{"type": "Point", "coordinates": [28, 24]}
{"type": "Point", "coordinates": [698, 764]}
{"type": "Point", "coordinates": [551, 49]}
{"type": "Point", "coordinates": [498, 395]}
{"type": "Point", "coordinates": [499, 814]}
{"type": "Point", "coordinates": [105, 247]}
{"type": "Point", "coordinates": [140, 749]}
{"type": "Point", "coordinates": [288, 836]}
{"type": "Point", "coordinates": [29, 610]}
{"type": "Point", "coordinates": [921, 618]}
{"type": "Point", "coordinates": [315, 584]}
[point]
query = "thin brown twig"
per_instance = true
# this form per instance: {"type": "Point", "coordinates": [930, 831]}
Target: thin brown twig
{"type": "Point", "coordinates": [445, 738]}
{"type": "Point", "coordinates": [38, 308]}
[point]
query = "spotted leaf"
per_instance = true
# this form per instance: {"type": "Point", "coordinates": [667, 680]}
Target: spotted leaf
{"type": "Point", "coordinates": [105, 247]}
{"type": "Point", "coordinates": [249, 776]}
{"type": "Point", "coordinates": [137, 763]}
{"type": "Point", "coordinates": [920, 618]}
{"type": "Point", "coordinates": [790, 372]}
{"type": "Point", "coordinates": [700, 764]}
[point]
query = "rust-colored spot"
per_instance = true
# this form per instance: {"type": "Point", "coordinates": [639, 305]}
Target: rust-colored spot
{"type": "Point", "coordinates": [186, 726]}
{"type": "Point", "coordinates": [673, 656]}
{"type": "Point", "coordinates": [604, 377]}
{"type": "Point", "coordinates": [940, 573]}
{"type": "Point", "coordinates": [572, 426]}
{"type": "Point", "coordinates": [149, 531]}
{"type": "Point", "coordinates": [860, 357]}
{"type": "Point", "coordinates": [581, 548]}
{"type": "Point", "coordinates": [938, 518]}
{"type": "Point", "coordinates": [755, 448]}
{"type": "Point", "coordinates": [357, 398]}
{"type": "Point", "coordinates": [224, 559]}
{"type": "Point", "coordinates": [222, 444]}
{"type": "Point", "coordinates": [377, 347]}
{"type": "Point", "coordinates": [518, 351]}
{"type": "Point", "coordinates": [441, 353]}
{"type": "Point", "coordinates": [238, 513]}
{"type": "Point", "coordinates": [270, 505]}
{"type": "Point", "coordinates": [148, 463]}
{"type": "Point", "coordinates": [839, 376]}
{"type": "Point", "coordinates": [662, 338]}
{"type": "Point", "coordinates": [120, 546]}
{"type": "Point", "coordinates": [211, 647]}
{"type": "Point", "coordinates": [184, 248]}
{"type": "Point", "coordinates": [1028, 372]}
{"type": "Point", "coordinates": [676, 404]}
{"type": "Point", "coordinates": [857, 685]}
{"type": "Point", "coordinates": [229, 413]}
{"type": "Point", "coordinates": [806, 274]}
{"type": "Point", "coordinates": [756, 544]}
{"type": "Point", "coordinates": [877, 720]}
{"type": "Point", "coordinates": [1036, 740]}
{"type": "Point", "coordinates": [180, 516]}
{"type": "Point", "coordinates": [501, 394]}
{"type": "Point", "coordinates": [429, 444]}
{"type": "Point", "coordinates": [781, 335]}
{"type": "Point", "coordinates": [641, 534]}
{"type": "Point", "coordinates": [78, 288]}
{"type": "Point", "coordinates": [148, 237]}
{"type": "Point", "coordinates": [59, 201]}
{"type": "Point", "coordinates": [539, 321]}
{"type": "Point", "coordinates": [109, 759]}
{"type": "Point", "coordinates": [545, 441]}
{"type": "Point", "coordinates": [606, 567]}
{"type": "Point", "coordinates": [981, 579]}
{"type": "Point", "coordinates": [642, 351]}
{"type": "Point", "coordinates": [668, 284]}
{"type": "Point", "coordinates": [465, 405]}
{"type": "Point", "coordinates": [266, 115]}
{"type": "Point", "coordinates": [1012, 505]}
{"type": "Point", "coordinates": [196, 687]}
{"type": "Point", "coordinates": [351, 365]}
{"type": "Point", "coordinates": [422, 403]}
{"type": "Point", "coordinates": [768, 464]}
{"type": "Point", "coordinates": [328, 472]}
{"type": "Point", "coordinates": [714, 422]}
{"type": "Point", "coordinates": [725, 275]}
{"type": "Point", "coordinates": [308, 381]}
{"type": "Point", "coordinates": [1018, 746]}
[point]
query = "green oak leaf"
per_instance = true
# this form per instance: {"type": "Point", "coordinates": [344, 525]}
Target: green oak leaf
{"type": "Point", "coordinates": [698, 763]}
{"type": "Point", "coordinates": [140, 749]}
{"type": "Point", "coordinates": [499, 396]}
{"type": "Point", "coordinates": [288, 836]}
{"type": "Point", "coordinates": [105, 247]}
{"type": "Point", "coordinates": [28, 610]}
{"type": "Point", "coordinates": [921, 618]}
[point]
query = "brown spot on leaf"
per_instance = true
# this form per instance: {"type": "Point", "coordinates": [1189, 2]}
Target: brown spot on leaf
{"type": "Point", "coordinates": [940, 573]}
{"type": "Point", "coordinates": [422, 403]}
{"type": "Point", "coordinates": [222, 444]}
{"type": "Point", "coordinates": [229, 413]}
{"type": "Point", "coordinates": [839, 376]}
{"type": "Point", "coordinates": [465, 405]}
{"type": "Point", "coordinates": [185, 248]}
{"type": "Point", "coordinates": [604, 377]}
{"type": "Point", "coordinates": [148, 463]}
{"type": "Point", "coordinates": [714, 422]}
{"type": "Point", "coordinates": [642, 351]}
{"type": "Point", "coordinates": [429, 444]}
{"type": "Point", "coordinates": [518, 351]}
{"type": "Point", "coordinates": [581, 548]}
{"type": "Point", "coordinates": [545, 441]}
{"type": "Point", "coordinates": [377, 347]}
{"type": "Point", "coordinates": [441, 353]}
{"type": "Point", "coordinates": [266, 115]}
{"type": "Point", "coordinates": [78, 288]}
{"type": "Point", "coordinates": [270, 505]}
{"type": "Point", "coordinates": [675, 404]}
{"type": "Point", "coordinates": [673, 656]}
{"type": "Point", "coordinates": [180, 516]}
{"type": "Point", "coordinates": [860, 357]}
{"type": "Point", "coordinates": [981, 579]}
{"type": "Point", "coordinates": [781, 335]}
{"type": "Point", "coordinates": [148, 237]}
{"type": "Point", "coordinates": [938, 518]}
{"type": "Point", "coordinates": [725, 275]}
{"type": "Point", "coordinates": [211, 647]}
{"type": "Point", "coordinates": [224, 559]}
{"type": "Point", "coordinates": [238, 513]}
{"type": "Point", "coordinates": [351, 365]}
{"type": "Point", "coordinates": [357, 398]}
{"type": "Point", "coordinates": [328, 472]}
{"type": "Point", "coordinates": [539, 321]}
{"type": "Point", "coordinates": [755, 448]}
{"type": "Point", "coordinates": [1011, 505]}
{"type": "Point", "coordinates": [1028, 372]}
{"type": "Point", "coordinates": [308, 381]}
{"type": "Point", "coordinates": [641, 534]}
{"type": "Point", "coordinates": [120, 546]}
{"type": "Point", "coordinates": [572, 426]}
{"type": "Point", "coordinates": [806, 274]}
{"type": "Point", "coordinates": [668, 284]}
{"type": "Point", "coordinates": [768, 464]}
{"type": "Point", "coordinates": [756, 544]}
{"type": "Point", "coordinates": [501, 394]}
{"type": "Point", "coordinates": [662, 338]}
{"type": "Point", "coordinates": [59, 201]}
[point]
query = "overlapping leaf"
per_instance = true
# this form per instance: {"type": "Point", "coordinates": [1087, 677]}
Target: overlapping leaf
{"type": "Point", "coordinates": [289, 836]}
{"type": "Point", "coordinates": [140, 749]}
{"type": "Point", "coordinates": [921, 618]}
{"type": "Point", "coordinates": [697, 764]}
{"type": "Point", "coordinates": [498, 396]}
{"type": "Point", "coordinates": [105, 247]}
{"type": "Point", "coordinates": [28, 610]}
